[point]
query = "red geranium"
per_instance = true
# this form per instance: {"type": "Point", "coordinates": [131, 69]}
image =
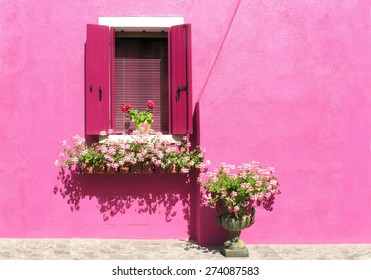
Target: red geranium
{"type": "Point", "coordinates": [150, 104]}
{"type": "Point", "coordinates": [125, 107]}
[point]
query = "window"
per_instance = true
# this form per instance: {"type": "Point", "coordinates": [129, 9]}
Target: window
{"type": "Point", "coordinates": [123, 67]}
{"type": "Point", "coordinates": [141, 74]}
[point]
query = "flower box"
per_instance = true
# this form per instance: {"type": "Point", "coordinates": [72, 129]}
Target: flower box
{"type": "Point", "coordinates": [87, 168]}
{"type": "Point", "coordinates": [99, 168]}
{"type": "Point", "coordinates": [160, 169]}
{"type": "Point", "coordinates": [148, 168]}
{"type": "Point", "coordinates": [125, 168]}
{"type": "Point", "coordinates": [126, 155]}
{"type": "Point", "coordinates": [111, 169]}
{"type": "Point", "coordinates": [174, 168]}
{"type": "Point", "coordinates": [136, 168]}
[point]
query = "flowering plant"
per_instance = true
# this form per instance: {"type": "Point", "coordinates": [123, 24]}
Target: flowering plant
{"type": "Point", "coordinates": [150, 148]}
{"type": "Point", "coordinates": [77, 154]}
{"type": "Point", "coordinates": [139, 117]}
{"type": "Point", "coordinates": [240, 192]}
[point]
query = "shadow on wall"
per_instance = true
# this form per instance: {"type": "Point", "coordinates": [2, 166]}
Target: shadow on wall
{"type": "Point", "coordinates": [161, 194]}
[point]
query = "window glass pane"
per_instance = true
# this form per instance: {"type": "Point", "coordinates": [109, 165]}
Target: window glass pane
{"type": "Point", "coordinates": [141, 73]}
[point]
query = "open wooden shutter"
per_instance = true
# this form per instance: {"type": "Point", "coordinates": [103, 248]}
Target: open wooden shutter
{"type": "Point", "coordinates": [180, 80]}
{"type": "Point", "coordinates": [97, 79]}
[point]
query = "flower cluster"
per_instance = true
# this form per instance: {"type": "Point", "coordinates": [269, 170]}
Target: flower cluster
{"type": "Point", "coordinates": [139, 117]}
{"type": "Point", "coordinates": [240, 192]}
{"type": "Point", "coordinates": [150, 148]}
{"type": "Point", "coordinates": [72, 155]}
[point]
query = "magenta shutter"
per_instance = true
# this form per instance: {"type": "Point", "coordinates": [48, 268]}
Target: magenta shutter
{"type": "Point", "coordinates": [97, 79]}
{"type": "Point", "coordinates": [112, 75]}
{"type": "Point", "coordinates": [180, 80]}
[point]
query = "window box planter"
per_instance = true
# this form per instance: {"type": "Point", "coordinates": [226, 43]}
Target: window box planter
{"type": "Point", "coordinates": [110, 169]}
{"type": "Point", "coordinates": [99, 168]}
{"type": "Point", "coordinates": [125, 168]}
{"type": "Point", "coordinates": [160, 169]}
{"type": "Point", "coordinates": [136, 168]}
{"type": "Point", "coordinates": [126, 155]}
{"type": "Point", "coordinates": [148, 168]}
{"type": "Point", "coordinates": [174, 168]}
{"type": "Point", "coordinates": [87, 168]}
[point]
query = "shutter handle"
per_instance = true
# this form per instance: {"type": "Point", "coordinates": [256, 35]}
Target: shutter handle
{"type": "Point", "coordinates": [100, 93]}
{"type": "Point", "coordinates": [179, 90]}
{"type": "Point", "coordinates": [91, 87]}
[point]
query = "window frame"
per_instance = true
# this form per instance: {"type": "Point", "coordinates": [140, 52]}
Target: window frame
{"type": "Point", "coordinates": [172, 25]}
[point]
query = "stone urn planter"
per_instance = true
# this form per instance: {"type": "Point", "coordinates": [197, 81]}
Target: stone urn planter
{"type": "Point", "coordinates": [234, 246]}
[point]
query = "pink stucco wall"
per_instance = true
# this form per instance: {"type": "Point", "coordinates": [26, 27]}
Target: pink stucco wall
{"type": "Point", "coordinates": [286, 83]}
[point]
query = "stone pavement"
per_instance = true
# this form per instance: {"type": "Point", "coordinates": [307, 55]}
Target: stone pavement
{"type": "Point", "coordinates": [173, 249]}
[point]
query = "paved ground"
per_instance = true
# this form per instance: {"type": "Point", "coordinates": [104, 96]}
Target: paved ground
{"type": "Point", "coordinates": [90, 249]}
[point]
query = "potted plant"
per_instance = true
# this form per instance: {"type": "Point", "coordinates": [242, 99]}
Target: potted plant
{"type": "Point", "coordinates": [98, 153]}
{"type": "Point", "coordinates": [143, 119]}
{"type": "Point", "coordinates": [143, 153]}
{"type": "Point", "coordinates": [235, 196]}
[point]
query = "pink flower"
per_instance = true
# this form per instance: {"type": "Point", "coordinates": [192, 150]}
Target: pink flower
{"type": "Point", "coordinates": [230, 209]}
{"type": "Point", "coordinates": [150, 104]}
{"type": "Point", "coordinates": [184, 170]}
{"type": "Point", "coordinates": [111, 151]}
{"type": "Point", "coordinates": [236, 209]}
{"type": "Point", "coordinates": [273, 182]}
{"type": "Point", "coordinates": [63, 143]}
{"type": "Point", "coordinates": [126, 107]}
{"type": "Point", "coordinates": [234, 194]}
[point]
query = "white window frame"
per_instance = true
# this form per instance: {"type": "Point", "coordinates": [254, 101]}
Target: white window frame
{"type": "Point", "coordinates": [135, 24]}
{"type": "Point", "coordinates": [140, 24]}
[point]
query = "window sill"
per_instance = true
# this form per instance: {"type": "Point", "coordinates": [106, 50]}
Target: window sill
{"type": "Point", "coordinates": [131, 138]}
